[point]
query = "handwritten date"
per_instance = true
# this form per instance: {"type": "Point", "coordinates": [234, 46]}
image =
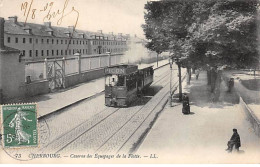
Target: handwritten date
{"type": "Point", "coordinates": [49, 12]}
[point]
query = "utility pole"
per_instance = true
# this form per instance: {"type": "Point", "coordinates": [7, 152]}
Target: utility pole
{"type": "Point", "coordinates": [170, 98]}
{"type": "Point", "coordinates": [177, 61]}
{"type": "Point", "coordinates": [157, 59]}
{"type": "Point", "coordinates": [180, 86]}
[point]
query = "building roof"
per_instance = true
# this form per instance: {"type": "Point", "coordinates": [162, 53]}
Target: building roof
{"type": "Point", "coordinates": [14, 27]}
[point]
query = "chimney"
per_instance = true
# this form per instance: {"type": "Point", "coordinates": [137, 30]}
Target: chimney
{"type": "Point", "coordinates": [47, 24]}
{"type": "Point", "coordinates": [2, 25]}
{"type": "Point", "coordinates": [127, 36]}
{"type": "Point", "coordinates": [72, 28]}
{"type": "Point", "coordinates": [99, 31]}
{"type": "Point", "coordinates": [13, 19]}
{"type": "Point", "coordinates": [48, 30]}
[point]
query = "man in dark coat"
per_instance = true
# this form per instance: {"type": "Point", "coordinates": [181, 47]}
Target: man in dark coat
{"type": "Point", "coordinates": [234, 141]}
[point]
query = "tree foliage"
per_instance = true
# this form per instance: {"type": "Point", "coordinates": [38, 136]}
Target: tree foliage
{"type": "Point", "coordinates": [214, 32]}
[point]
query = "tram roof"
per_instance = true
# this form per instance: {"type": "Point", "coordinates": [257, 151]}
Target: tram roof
{"type": "Point", "coordinates": [123, 69]}
{"type": "Point", "coordinates": [143, 66]}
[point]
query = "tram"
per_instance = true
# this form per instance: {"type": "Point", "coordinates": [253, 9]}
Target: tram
{"type": "Point", "coordinates": [123, 83]}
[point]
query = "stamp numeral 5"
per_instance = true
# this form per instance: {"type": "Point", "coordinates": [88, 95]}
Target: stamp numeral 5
{"type": "Point", "coordinates": [9, 138]}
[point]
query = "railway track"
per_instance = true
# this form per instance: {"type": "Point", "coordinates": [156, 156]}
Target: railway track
{"type": "Point", "coordinates": [90, 130]}
{"type": "Point", "coordinates": [118, 140]}
{"type": "Point", "coordinates": [66, 124]}
{"type": "Point", "coordinates": [45, 117]}
{"type": "Point", "coordinates": [116, 122]}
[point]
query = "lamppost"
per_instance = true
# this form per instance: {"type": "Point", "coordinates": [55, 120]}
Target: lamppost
{"type": "Point", "coordinates": [109, 54]}
{"type": "Point", "coordinates": [170, 62]}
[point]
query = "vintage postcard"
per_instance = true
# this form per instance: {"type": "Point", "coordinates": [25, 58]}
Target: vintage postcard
{"type": "Point", "coordinates": [129, 81]}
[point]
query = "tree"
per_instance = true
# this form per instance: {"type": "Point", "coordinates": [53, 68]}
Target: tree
{"type": "Point", "coordinates": [228, 37]}
{"type": "Point", "coordinates": [229, 33]}
{"type": "Point", "coordinates": [165, 25]}
{"type": "Point", "coordinates": [166, 28]}
{"type": "Point", "coordinates": [208, 33]}
{"type": "Point", "coordinates": [157, 41]}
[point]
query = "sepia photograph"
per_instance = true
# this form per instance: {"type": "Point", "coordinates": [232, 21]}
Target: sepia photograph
{"type": "Point", "coordinates": [129, 82]}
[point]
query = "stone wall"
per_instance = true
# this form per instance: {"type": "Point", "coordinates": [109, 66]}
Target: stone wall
{"type": "Point", "coordinates": [74, 79]}
{"type": "Point", "coordinates": [246, 97]}
{"type": "Point", "coordinates": [13, 72]}
{"type": "Point", "coordinates": [252, 118]}
{"type": "Point", "coordinates": [249, 96]}
{"type": "Point", "coordinates": [36, 88]}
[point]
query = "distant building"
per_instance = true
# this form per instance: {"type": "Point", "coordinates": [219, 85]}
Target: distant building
{"type": "Point", "coordinates": [37, 41]}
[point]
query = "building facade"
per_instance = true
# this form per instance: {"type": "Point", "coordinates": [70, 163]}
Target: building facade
{"type": "Point", "coordinates": [37, 41]}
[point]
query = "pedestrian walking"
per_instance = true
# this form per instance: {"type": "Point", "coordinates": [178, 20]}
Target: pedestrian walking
{"type": "Point", "coordinates": [230, 84]}
{"type": "Point", "coordinates": [197, 74]}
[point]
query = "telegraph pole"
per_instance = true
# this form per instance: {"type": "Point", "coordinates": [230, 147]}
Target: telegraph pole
{"type": "Point", "coordinates": [157, 58]}
{"type": "Point", "coordinates": [177, 60]}
{"type": "Point", "coordinates": [180, 86]}
{"type": "Point", "coordinates": [170, 98]}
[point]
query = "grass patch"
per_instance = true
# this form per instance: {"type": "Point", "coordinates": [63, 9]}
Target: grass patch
{"type": "Point", "coordinates": [252, 84]}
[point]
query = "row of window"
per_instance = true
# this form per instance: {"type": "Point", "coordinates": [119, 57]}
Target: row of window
{"type": "Point", "coordinates": [55, 52]}
{"type": "Point", "coordinates": [60, 41]}
{"type": "Point", "coordinates": [48, 41]}
{"type": "Point", "coordinates": [108, 43]}
{"type": "Point", "coordinates": [68, 52]}
{"type": "Point", "coordinates": [99, 51]}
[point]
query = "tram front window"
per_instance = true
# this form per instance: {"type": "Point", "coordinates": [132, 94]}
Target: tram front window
{"type": "Point", "coordinates": [115, 80]}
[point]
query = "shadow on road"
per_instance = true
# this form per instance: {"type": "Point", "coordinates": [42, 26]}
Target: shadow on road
{"type": "Point", "coordinates": [146, 96]}
{"type": "Point", "coordinates": [200, 95]}
{"type": "Point", "coordinates": [140, 101]}
{"type": "Point", "coordinates": [152, 90]}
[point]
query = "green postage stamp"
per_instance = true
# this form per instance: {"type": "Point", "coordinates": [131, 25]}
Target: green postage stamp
{"type": "Point", "coordinates": [19, 125]}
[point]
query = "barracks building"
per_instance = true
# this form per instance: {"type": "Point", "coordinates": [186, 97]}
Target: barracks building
{"type": "Point", "coordinates": [37, 41]}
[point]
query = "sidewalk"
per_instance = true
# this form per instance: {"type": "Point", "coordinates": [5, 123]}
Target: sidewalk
{"type": "Point", "coordinates": [251, 97]}
{"type": "Point", "coordinates": [202, 136]}
{"type": "Point", "coordinates": [52, 102]}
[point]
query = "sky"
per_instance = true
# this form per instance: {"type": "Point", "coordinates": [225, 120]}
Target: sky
{"type": "Point", "coordinates": [117, 16]}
